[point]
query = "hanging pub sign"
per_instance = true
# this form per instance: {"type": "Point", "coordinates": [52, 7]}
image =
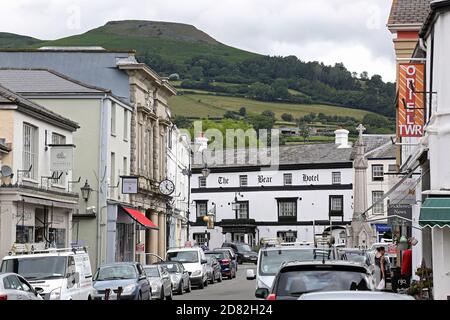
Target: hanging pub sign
{"type": "Point", "coordinates": [410, 109]}
{"type": "Point", "coordinates": [61, 157]}
{"type": "Point", "coordinates": [129, 184]}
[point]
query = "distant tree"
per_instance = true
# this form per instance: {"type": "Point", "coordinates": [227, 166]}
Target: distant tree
{"type": "Point", "coordinates": [261, 121]}
{"type": "Point", "coordinates": [174, 77]}
{"type": "Point", "coordinates": [243, 111]}
{"type": "Point", "coordinates": [305, 132]}
{"type": "Point", "coordinates": [364, 75]}
{"type": "Point", "coordinates": [182, 122]}
{"type": "Point", "coordinates": [269, 114]}
{"type": "Point", "coordinates": [287, 117]}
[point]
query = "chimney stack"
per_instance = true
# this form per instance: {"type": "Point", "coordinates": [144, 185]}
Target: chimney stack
{"type": "Point", "coordinates": [342, 138]}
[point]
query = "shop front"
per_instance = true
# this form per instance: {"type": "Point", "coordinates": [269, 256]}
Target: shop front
{"type": "Point", "coordinates": [32, 219]}
{"type": "Point", "coordinates": [126, 234]}
{"type": "Point", "coordinates": [240, 230]}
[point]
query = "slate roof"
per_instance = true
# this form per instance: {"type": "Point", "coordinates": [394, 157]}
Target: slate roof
{"type": "Point", "coordinates": [409, 12]}
{"type": "Point", "coordinates": [42, 81]}
{"type": "Point", "coordinates": [378, 146]}
{"type": "Point", "coordinates": [34, 109]}
{"type": "Point", "coordinates": [288, 155]}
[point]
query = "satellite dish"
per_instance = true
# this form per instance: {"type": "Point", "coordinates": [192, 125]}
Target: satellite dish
{"type": "Point", "coordinates": [6, 171]}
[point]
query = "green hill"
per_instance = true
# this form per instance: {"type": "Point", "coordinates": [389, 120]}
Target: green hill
{"type": "Point", "coordinates": [206, 65]}
{"type": "Point", "coordinates": [11, 40]}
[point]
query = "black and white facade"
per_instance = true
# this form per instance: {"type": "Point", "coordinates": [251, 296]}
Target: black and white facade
{"type": "Point", "coordinates": [309, 190]}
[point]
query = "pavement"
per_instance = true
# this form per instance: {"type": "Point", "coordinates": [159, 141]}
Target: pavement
{"type": "Point", "coordinates": [238, 288]}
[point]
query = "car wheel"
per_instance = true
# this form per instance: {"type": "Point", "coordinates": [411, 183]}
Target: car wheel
{"type": "Point", "coordinates": [188, 289]}
{"type": "Point", "coordinates": [180, 289]}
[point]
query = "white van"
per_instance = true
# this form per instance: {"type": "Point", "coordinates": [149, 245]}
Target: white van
{"type": "Point", "coordinates": [194, 261]}
{"type": "Point", "coordinates": [62, 274]}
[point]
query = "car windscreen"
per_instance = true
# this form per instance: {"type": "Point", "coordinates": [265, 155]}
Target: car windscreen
{"type": "Point", "coordinates": [218, 255]}
{"type": "Point", "coordinates": [172, 267]}
{"type": "Point", "coordinates": [151, 272]}
{"type": "Point", "coordinates": [271, 260]}
{"type": "Point", "coordinates": [243, 248]}
{"type": "Point", "coordinates": [183, 256]}
{"type": "Point", "coordinates": [37, 268]}
{"type": "Point", "coordinates": [356, 257]}
{"type": "Point", "coordinates": [295, 283]}
{"type": "Point", "coordinates": [115, 273]}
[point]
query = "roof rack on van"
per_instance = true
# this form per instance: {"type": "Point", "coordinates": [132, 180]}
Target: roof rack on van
{"type": "Point", "coordinates": [296, 244]}
{"type": "Point", "coordinates": [18, 250]}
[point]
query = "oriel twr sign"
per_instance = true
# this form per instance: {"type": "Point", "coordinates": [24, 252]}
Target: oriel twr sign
{"type": "Point", "coordinates": [410, 109]}
{"type": "Point", "coordinates": [61, 157]}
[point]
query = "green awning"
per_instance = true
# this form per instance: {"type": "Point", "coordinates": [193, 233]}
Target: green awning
{"type": "Point", "coordinates": [435, 212]}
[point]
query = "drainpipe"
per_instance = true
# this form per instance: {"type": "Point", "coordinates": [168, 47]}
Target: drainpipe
{"type": "Point", "coordinates": [102, 165]}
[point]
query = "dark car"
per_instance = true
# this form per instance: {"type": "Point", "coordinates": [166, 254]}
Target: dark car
{"type": "Point", "coordinates": [215, 270]}
{"type": "Point", "coordinates": [233, 255]}
{"type": "Point", "coordinates": [243, 251]}
{"type": "Point", "coordinates": [226, 263]}
{"type": "Point", "coordinates": [297, 278]}
{"type": "Point", "coordinates": [130, 276]}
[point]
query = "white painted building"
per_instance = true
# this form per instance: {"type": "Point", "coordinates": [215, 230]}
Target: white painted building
{"type": "Point", "coordinates": [178, 153]}
{"type": "Point", "coordinates": [35, 206]}
{"type": "Point", "coordinates": [102, 157]}
{"type": "Point", "coordinates": [310, 186]}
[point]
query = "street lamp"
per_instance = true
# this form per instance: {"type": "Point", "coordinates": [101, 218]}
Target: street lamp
{"type": "Point", "coordinates": [86, 191]}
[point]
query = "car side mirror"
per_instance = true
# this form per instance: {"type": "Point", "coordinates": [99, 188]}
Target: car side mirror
{"type": "Point", "coordinates": [204, 261]}
{"type": "Point", "coordinates": [143, 277]}
{"type": "Point", "coordinates": [38, 291]}
{"type": "Point", "coordinates": [251, 274]}
{"type": "Point", "coordinates": [261, 293]}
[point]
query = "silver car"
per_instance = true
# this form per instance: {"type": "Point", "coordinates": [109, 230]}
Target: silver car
{"type": "Point", "coordinates": [15, 287]}
{"type": "Point", "coordinates": [179, 276]}
{"type": "Point", "coordinates": [160, 281]}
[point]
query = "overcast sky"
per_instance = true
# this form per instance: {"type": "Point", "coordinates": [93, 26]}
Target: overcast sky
{"type": "Point", "coordinates": [349, 31]}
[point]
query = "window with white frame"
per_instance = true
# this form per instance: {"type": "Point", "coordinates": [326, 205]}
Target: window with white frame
{"type": "Point", "coordinates": [287, 179]}
{"type": "Point", "coordinates": [30, 151]}
{"type": "Point", "coordinates": [287, 209]}
{"type": "Point", "coordinates": [242, 212]}
{"type": "Point", "coordinates": [336, 177]}
{"type": "Point", "coordinates": [125, 124]}
{"type": "Point", "coordinates": [287, 236]}
{"type": "Point", "coordinates": [336, 205]}
{"type": "Point", "coordinates": [377, 208]}
{"type": "Point", "coordinates": [243, 181]}
{"type": "Point", "coordinates": [377, 172]}
{"type": "Point", "coordinates": [202, 208]}
{"type": "Point", "coordinates": [125, 166]}
{"type": "Point", "coordinates": [200, 238]}
{"type": "Point", "coordinates": [59, 139]}
{"type": "Point", "coordinates": [201, 182]}
{"type": "Point", "coordinates": [112, 177]}
{"type": "Point", "coordinates": [113, 119]}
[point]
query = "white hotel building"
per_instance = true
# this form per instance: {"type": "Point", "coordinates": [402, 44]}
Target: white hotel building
{"type": "Point", "coordinates": [310, 186]}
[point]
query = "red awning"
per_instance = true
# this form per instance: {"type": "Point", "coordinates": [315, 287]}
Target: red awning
{"type": "Point", "coordinates": [140, 218]}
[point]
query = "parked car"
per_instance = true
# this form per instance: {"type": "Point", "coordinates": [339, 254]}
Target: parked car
{"type": "Point", "coordinates": [59, 274]}
{"type": "Point", "coordinates": [15, 287]}
{"type": "Point", "coordinates": [194, 261]}
{"type": "Point", "coordinates": [297, 278]}
{"type": "Point", "coordinates": [271, 258]}
{"type": "Point", "coordinates": [214, 268]}
{"type": "Point", "coordinates": [160, 281]}
{"type": "Point", "coordinates": [233, 256]}
{"type": "Point", "coordinates": [178, 275]}
{"type": "Point", "coordinates": [354, 295]}
{"type": "Point", "coordinates": [243, 251]}
{"type": "Point", "coordinates": [226, 264]}
{"type": "Point", "coordinates": [130, 276]}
